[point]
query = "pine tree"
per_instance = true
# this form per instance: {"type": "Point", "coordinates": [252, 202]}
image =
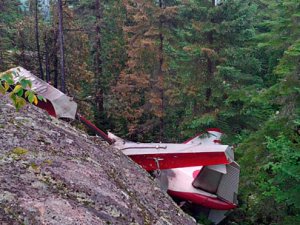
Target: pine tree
{"type": "Point", "coordinates": [208, 63]}
{"type": "Point", "coordinates": [61, 45]}
{"type": "Point", "coordinates": [107, 52]}
{"type": "Point", "coordinates": [9, 16]}
{"type": "Point", "coordinates": [269, 155]}
{"type": "Point", "coordinates": [140, 87]}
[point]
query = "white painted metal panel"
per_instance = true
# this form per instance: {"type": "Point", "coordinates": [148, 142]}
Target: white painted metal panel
{"type": "Point", "coordinates": [63, 105]}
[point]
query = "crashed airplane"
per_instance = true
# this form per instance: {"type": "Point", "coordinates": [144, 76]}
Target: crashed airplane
{"type": "Point", "coordinates": [201, 171]}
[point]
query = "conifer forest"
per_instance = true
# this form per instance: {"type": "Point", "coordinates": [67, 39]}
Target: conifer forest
{"type": "Point", "coordinates": [165, 70]}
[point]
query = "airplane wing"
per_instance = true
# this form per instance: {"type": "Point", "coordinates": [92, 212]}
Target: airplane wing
{"type": "Point", "coordinates": [153, 156]}
{"type": "Point", "coordinates": [58, 104]}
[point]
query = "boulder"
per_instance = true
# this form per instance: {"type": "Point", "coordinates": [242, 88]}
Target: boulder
{"type": "Point", "coordinates": [53, 173]}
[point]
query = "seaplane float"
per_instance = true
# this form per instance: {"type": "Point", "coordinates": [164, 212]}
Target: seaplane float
{"type": "Point", "coordinates": [200, 172]}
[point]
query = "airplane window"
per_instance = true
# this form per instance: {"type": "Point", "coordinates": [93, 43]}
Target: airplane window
{"type": "Point", "coordinates": [208, 180]}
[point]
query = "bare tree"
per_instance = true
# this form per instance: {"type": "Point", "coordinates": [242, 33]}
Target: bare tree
{"type": "Point", "coordinates": [61, 46]}
{"type": "Point", "coordinates": [161, 62]}
{"type": "Point", "coordinates": [47, 58]}
{"type": "Point", "coordinates": [37, 39]}
{"type": "Point", "coordinates": [98, 61]}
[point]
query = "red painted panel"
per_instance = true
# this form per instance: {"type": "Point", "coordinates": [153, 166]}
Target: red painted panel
{"type": "Point", "coordinates": [195, 173]}
{"type": "Point", "coordinates": [178, 160]}
{"type": "Point", "coordinates": [95, 129]}
{"type": "Point", "coordinates": [47, 106]}
{"type": "Point", "coordinates": [209, 202]}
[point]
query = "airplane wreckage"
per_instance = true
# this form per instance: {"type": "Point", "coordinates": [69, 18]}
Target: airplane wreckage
{"type": "Point", "coordinates": [200, 172]}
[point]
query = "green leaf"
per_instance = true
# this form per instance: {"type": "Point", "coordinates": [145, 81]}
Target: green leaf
{"type": "Point", "coordinates": [2, 89]}
{"type": "Point", "coordinates": [19, 103]}
{"type": "Point", "coordinates": [12, 96]}
{"type": "Point", "coordinates": [17, 88]}
{"type": "Point", "coordinates": [27, 93]}
{"type": "Point", "coordinates": [31, 97]}
{"type": "Point", "coordinates": [20, 93]}
{"type": "Point", "coordinates": [10, 81]}
{"type": "Point", "coordinates": [6, 86]}
{"type": "Point", "coordinates": [41, 98]}
{"type": "Point", "coordinates": [35, 100]}
{"type": "Point", "coordinates": [25, 83]}
{"type": "Point", "coordinates": [8, 78]}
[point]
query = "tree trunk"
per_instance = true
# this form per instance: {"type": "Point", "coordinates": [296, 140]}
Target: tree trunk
{"type": "Point", "coordinates": [37, 40]}
{"type": "Point", "coordinates": [61, 46]}
{"type": "Point", "coordinates": [210, 63]}
{"type": "Point", "coordinates": [99, 114]}
{"type": "Point", "coordinates": [161, 75]}
{"type": "Point", "coordinates": [47, 58]}
{"type": "Point", "coordinates": [55, 56]}
{"type": "Point", "coordinates": [55, 65]}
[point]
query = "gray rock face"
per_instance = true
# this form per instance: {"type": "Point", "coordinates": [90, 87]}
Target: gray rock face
{"type": "Point", "coordinates": [51, 173]}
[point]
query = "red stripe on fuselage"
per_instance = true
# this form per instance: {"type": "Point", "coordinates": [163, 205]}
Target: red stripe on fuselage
{"type": "Point", "coordinates": [209, 202]}
{"type": "Point", "coordinates": [178, 160]}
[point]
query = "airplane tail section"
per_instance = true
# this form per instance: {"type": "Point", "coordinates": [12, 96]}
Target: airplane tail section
{"type": "Point", "coordinates": [211, 136]}
{"type": "Point", "coordinates": [221, 180]}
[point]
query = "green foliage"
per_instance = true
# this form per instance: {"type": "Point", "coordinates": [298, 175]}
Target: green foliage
{"type": "Point", "coordinates": [9, 17]}
{"type": "Point", "coordinates": [212, 64]}
{"type": "Point", "coordinates": [270, 175]}
{"type": "Point", "coordinates": [284, 169]}
{"type": "Point", "coordinates": [202, 219]}
{"type": "Point", "coordinates": [19, 91]}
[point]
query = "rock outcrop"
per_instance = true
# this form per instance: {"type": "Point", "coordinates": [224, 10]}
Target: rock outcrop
{"type": "Point", "coordinates": [52, 173]}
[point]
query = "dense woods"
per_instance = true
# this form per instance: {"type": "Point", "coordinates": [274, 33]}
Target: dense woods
{"type": "Point", "coordinates": [163, 70]}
